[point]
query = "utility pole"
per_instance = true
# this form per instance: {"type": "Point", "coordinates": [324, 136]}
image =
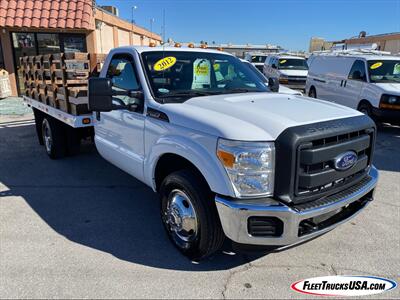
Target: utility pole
{"type": "Point", "coordinates": [151, 29]}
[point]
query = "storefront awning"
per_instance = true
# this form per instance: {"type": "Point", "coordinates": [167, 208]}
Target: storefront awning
{"type": "Point", "coordinates": [62, 14]}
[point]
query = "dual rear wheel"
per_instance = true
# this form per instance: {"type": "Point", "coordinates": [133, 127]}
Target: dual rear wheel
{"type": "Point", "coordinates": [58, 138]}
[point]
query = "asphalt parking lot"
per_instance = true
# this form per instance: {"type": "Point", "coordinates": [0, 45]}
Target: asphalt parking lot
{"type": "Point", "coordinates": [81, 228]}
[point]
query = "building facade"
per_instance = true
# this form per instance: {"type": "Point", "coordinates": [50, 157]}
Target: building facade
{"type": "Point", "coordinates": [34, 27]}
{"type": "Point", "coordinates": [389, 42]}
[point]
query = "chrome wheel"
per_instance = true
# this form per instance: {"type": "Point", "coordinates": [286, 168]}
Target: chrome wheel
{"type": "Point", "coordinates": [47, 136]}
{"type": "Point", "coordinates": [180, 219]}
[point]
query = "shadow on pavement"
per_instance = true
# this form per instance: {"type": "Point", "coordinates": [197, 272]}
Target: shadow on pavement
{"type": "Point", "coordinates": [91, 202]}
{"type": "Point", "coordinates": [387, 149]}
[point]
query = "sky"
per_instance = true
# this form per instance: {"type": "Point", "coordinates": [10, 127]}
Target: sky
{"type": "Point", "coordinates": [287, 23]}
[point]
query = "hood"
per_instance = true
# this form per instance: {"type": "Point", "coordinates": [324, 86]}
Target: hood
{"type": "Point", "coordinates": [252, 116]}
{"type": "Point", "coordinates": [294, 72]}
{"type": "Point", "coordinates": [392, 88]}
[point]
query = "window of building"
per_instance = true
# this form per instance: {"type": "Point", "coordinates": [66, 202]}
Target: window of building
{"type": "Point", "coordinates": [23, 44]}
{"type": "Point", "coordinates": [48, 43]}
{"type": "Point", "coordinates": [73, 42]}
{"type": "Point", "coordinates": [2, 66]}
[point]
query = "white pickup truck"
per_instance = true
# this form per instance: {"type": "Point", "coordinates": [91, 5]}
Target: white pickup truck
{"type": "Point", "coordinates": [228, 158]}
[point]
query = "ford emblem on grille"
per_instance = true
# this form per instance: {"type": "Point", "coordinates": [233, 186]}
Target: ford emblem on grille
{"type": "Point", "coordinates": [345, 160]}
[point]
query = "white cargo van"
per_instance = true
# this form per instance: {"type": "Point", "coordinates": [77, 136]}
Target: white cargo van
{"type": "Point", "coordinates": [291, 70]}
{"type": "Point", "coordinates": [369, 82]}
{"type": "Point", "coordinates": [257, 59]}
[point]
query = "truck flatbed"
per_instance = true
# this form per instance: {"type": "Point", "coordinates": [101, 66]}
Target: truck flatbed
{"type": "Point", "coordinates": [86, 120]}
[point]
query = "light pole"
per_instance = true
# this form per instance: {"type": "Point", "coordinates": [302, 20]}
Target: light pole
{"type": "Point", "coordinates": [151, 29]}
{"type": "Point", "coordinates": [133, 10]}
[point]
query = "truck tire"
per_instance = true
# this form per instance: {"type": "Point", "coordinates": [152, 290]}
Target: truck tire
{"type": "Point", "coordinates": [38, 124]}
{"type": "Point", "coordinates": [365, 108]}
{"type": "Point", "coordinates": [312, 93]}
{"type": "Point", "coordinates": [189, 215]}
{"type": "Point", "coordinates": [53, 133]}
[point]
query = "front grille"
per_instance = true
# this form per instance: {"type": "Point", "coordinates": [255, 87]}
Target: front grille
{"type": "Point", "coordinates": [316, 173]}
{"type": "Point", "coordinates": [305, 158]}
{"type": "Point", "coordinates": [260, 68]}
{"type": "Point", "coordinates": [297, 80]}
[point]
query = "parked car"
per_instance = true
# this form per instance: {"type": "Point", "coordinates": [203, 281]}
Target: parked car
{"type": "Point", "coordinates": [257, 59]}
{"type": "Point", "coordinates": [270, 82]}
{"type": "Point", "coordinates": [291, 70]}
{"type": "Point", "coordinates": [227, 157]}
{"type": "Point", "coordinates": [367, 82]}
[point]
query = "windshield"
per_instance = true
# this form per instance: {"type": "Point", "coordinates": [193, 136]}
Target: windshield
{"type": "Point", "coordinates": [176, 76]}
{"type": "Point", "coordinates": [292, 64]}
{"type": "Point", "coordinates": [384, 70]}
{"type": "Point", "coordinates": [256, 71]}
{"type": "Point", "coordinates": [258, 58]}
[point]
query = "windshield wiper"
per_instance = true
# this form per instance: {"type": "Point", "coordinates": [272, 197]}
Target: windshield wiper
{"type": "Point", "coordinates": [187, 94]}
{"type": "Point", "coordinates": [241, 90]}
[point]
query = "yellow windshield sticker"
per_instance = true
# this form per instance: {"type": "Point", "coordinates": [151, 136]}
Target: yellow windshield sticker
{"type": "Point", "coordinates": [202, 70]}
{"type": "Point", "coordinates": [164, 63]}
{"type": "Point", "coordinates": [376, 65]}
{"type": "Point", "coordinates": [282, 61]}
{"type": "Point", "coordinates": [216, 67]}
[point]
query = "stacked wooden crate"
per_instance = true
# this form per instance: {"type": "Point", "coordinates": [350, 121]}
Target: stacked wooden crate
{"type": "Point", "coordinates": [72, 82]}
{"type": "Point", "coordinates": [61, 79]}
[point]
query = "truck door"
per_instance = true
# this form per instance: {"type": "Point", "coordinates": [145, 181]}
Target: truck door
{"type": "Point", "coordinates": [351, 87]}
{"type": "Point", "coordinates": [119, 133]}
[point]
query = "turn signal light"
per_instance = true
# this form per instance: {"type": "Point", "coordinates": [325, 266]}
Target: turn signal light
{"type": "Point", "coordinates": [389, 106]}
{"type": "Point", "coordinates": [86, 121]}
{"type": "Point", "coordinates": [226, 158]}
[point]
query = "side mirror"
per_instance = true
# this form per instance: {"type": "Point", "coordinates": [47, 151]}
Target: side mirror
{"type": "Point", "coordinates": [100, 94]}
{"type": "Point", "coordinates": [273, 66]}
{"type": "Point", "coordinates": [273, 84]}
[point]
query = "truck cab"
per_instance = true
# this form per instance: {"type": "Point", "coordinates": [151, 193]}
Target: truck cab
{"type": "Point", "coordinates": [229, 159]}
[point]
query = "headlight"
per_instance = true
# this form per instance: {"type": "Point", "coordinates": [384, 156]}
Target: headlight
{"type": "Point", "coordinates": [392, 100]}
{"type": "Point", "coordinates": [389, 101]}
{"type": "Point", "coordinates": [283, 78]}
{"type": "Point", "coordinates": [250, 166]}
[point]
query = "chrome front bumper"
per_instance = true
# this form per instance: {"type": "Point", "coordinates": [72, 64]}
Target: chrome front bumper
{"type": "Point", "coordinates": [234, 215]}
